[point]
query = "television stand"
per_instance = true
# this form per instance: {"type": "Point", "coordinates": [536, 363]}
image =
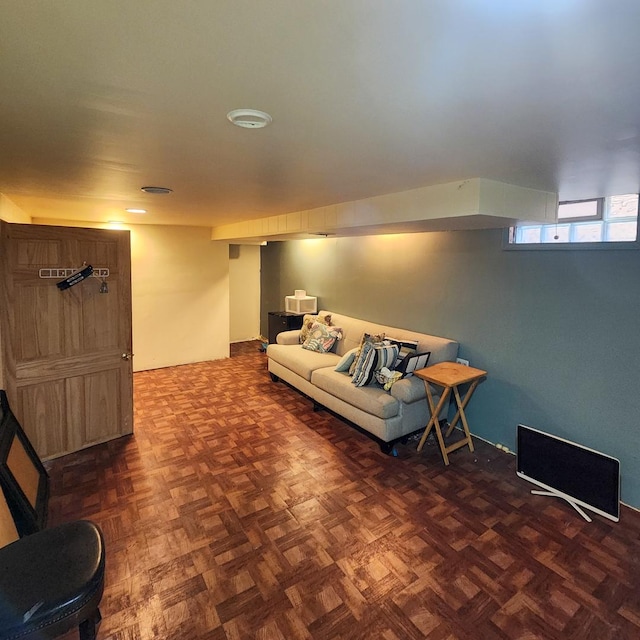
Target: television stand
{"type": "Point", "coordinates": [557, 495]}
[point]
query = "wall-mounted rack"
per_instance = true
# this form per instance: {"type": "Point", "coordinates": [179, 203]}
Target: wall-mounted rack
{"type": "Point", "coordinates": [98, 272]}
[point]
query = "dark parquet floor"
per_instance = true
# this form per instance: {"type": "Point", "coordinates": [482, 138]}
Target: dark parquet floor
{"type": "Point", "coordinates": [236, 512]}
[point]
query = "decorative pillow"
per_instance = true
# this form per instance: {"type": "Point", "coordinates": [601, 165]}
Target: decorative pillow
{"type": "Point", "coordinates": [377, 356]}
{"type": "Point", "coordinates": [387, 378]}
{"type": "Point", "coordinates": [322, 338]}
{"type": "Point", "coordinates": [366, 337]}
{"type": "Point", "coordinates": [406, 348]}
{"type": "Point", "coordinates": [307, 323]}
{"type": "Point", "coordinates": [346, 360]}
{"type": "Point", "coordinates": [361, 357]}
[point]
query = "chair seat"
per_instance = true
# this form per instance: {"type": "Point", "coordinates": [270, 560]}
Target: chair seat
{"type": "Point", "coordinates": [51, 581]}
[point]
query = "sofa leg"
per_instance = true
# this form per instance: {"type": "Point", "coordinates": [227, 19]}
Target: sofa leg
{"type": "Point", "coordinates": [316, 406]}
{"type": "Point", "coordinates": [389, 449]}
{"type": "Point", "coordinates": [274, 377]}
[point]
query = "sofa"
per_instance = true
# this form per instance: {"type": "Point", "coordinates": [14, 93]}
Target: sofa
{"type": "Point", "coordinates": [388, 416]}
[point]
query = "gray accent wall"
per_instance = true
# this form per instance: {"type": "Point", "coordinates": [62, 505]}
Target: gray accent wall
{"type": "Point", "coordinates": [557, 331]}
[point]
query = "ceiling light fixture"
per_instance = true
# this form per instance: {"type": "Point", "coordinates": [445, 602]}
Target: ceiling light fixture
{"type": "Point", "coordinates": [136, 210]}
{"type": "Point", "coordinates": [249, 118]}
{"type": "Point", "coordinates": [156, 190]}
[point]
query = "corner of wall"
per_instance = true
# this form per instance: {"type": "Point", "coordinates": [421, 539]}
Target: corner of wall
{"type": "Point", "coordinates": [10, 212]}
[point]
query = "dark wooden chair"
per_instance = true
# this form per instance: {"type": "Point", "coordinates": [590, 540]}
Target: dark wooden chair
{"type": "Point", "coordinates": [51, 580]}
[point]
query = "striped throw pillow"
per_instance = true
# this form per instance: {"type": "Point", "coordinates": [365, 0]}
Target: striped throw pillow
{"type": "Point", "coordinates": [366, 337]}
{"type": "Point", "coordinates": [377, 356]}
{"type": "Point", "coordinates": [360, 359]}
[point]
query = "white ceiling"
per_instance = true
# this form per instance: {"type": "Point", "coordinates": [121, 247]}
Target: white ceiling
{"type": "Point", "coordinates": [367, 97]}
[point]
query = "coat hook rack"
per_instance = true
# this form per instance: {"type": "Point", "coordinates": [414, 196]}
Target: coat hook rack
{"type": "Point", "coordinates": [98, 272]}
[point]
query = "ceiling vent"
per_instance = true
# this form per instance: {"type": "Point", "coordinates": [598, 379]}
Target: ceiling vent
{"type": "Point", "coordinates": [156, 190]}
{"type": "Point", "coordinates": [249, 118]}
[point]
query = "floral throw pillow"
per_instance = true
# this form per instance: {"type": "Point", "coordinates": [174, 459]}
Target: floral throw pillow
{"type": "Point", "coordinates": [308, 321]}
{"type": "Point", "coordinates": [322, 338]}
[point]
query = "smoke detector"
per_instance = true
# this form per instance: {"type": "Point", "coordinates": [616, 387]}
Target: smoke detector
{"type": "Point", "coordinates": [249, 118]}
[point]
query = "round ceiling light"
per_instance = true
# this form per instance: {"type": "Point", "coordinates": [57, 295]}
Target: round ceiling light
{"type": "Point", "coordinates": [156, 190]}
{"type": "Point", "coordinates": [249, 118]}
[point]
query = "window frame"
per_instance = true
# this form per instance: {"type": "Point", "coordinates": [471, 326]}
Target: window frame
{"type": "Point", "coordinates": [600, 245]}
{"type": "Point", "coordinates": [598, 215]}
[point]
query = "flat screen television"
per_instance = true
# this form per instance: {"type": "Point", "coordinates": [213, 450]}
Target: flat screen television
{"type": "Point", "coordinates": [581, 476]}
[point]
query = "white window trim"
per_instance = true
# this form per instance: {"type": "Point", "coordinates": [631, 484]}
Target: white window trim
{"type": "Point", "coordinates": [600, 245]}
{"type": "Point", "coordinates": [597, 216]}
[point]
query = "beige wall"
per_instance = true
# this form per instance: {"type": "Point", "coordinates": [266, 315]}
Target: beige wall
{"type": "Point", "coordinates": [180, 296]}
{"type": "Point", "coordinates": [180, 291]}
{"type": "Point", "coordinates": [9, 212]}
{"type": "Point", "coordinates": [244, 292]}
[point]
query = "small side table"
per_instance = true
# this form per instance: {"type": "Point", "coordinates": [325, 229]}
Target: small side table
{"type": "Point", "coordinates": [449, 375]}
{"type": "Point", "coordinates": [283, 321]}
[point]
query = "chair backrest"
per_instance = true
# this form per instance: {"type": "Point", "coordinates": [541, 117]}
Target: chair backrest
{"type": "Point", "coordinates": [8, 531]}
{"type": "Point", "coordinates": [23, 478]}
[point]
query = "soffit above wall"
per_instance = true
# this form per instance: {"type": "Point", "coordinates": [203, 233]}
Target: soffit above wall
{"type": "Point", "coordinates": [469, 204]}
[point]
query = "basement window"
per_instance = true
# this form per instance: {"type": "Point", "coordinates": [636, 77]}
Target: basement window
{"type": "Point", "coordinates": [597, 223]}
{"type": "Point", "coordinates": [581, 210]}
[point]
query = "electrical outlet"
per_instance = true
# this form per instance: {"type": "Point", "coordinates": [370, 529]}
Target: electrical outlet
{"type": "Point", "coordinates": [462, 361]}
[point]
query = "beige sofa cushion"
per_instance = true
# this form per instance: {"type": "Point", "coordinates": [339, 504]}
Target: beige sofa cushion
{"type": "Point", "coordinates": [299, 360]}
{"type": "Point", "coordinates": [411, 389]}
{"type": "Point", "coordinates": [372, 399]}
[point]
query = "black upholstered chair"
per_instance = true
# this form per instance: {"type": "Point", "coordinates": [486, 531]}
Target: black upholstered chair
{"type": "Point", "coordinates": [51, 580]}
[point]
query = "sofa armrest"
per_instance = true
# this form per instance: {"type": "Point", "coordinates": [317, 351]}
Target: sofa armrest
{"type": "Point", "coordinates": [288, 337]}
{"type": "Point", "coordinates": [409, 390]}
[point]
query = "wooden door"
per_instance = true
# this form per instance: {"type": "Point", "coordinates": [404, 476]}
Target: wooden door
{"type": "Point", "coordinates": [67, 354]}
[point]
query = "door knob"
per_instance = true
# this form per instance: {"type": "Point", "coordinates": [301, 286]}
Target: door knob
{"type": "Point", "coordinates": [126, 356]}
